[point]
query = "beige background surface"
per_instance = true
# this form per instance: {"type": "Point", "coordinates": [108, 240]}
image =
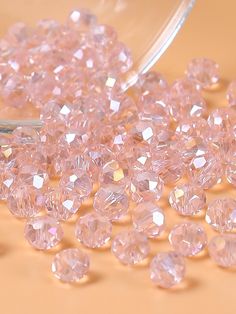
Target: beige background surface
{"type": "Point", "coordinates": [26, 284]}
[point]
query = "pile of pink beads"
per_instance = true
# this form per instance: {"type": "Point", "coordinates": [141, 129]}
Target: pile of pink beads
{"type": "Point", "coordinates": [126, 147]}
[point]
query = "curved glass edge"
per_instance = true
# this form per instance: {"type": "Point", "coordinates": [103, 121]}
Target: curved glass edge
{"type": "Point", "coordinates": [161, 43]}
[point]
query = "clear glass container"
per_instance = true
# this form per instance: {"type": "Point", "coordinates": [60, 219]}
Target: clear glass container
{"type": "Point", "coordinates": [146, 27]}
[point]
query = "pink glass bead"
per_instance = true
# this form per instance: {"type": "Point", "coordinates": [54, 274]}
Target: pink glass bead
{"type": "Point", "coordinates": [25, 135]}
{"type": "Point", "coordinates": [222, 250]}
{"type": "Point", "coordinates": [31, 174]}
{"type": "Point", "coordinates": [148, 218]}
{"type": "Point", "coordinates": [191, 128]}
{"type": "Point", "coordinates": [120, 59]}
{"type": "Point", "coordinates": [43, 232]}
{"type": "Point", "coordinates": [78, 182]}
{"type": "Point", "coordinates": [231, 94]}
{"type": "Point", "coordinates": [185, 87]}
{"type": "Point", "coordinates": [205, 169]}
{"type": "Point", "coordinates": [81, 19]}
{"type": "Point", "coordinates": [130, 247]}
{"type": "Point", "coordinates": [143, 132]}
{"type": "Point", "coordinates": [168, 163]}
{"type": "Point", "coordinates": [104, 35]}
{"type": "Point", "coordinates": [18, 33]}
{"type": "Point", "coordinates": [7, 179]}
{"type": "Point", "coordinates": [204, 71]}
{"type": "Point", "coordinates": [141, 158]}
{"type": "Point", "coordinates": [25, 201]}
{"type": "Point", "coordinates": [93, 230]}
{"type": "Point", "coordinates": [222, 122]}
{"type": "Point", "coordinates": [187, 199]}
{"type": "Point", "coordinates": [70, 265]}
{"type": "Point", "coordinates": [188, 238]}
{"type": "Point", "coordinates": [145, 186]}
{"type": "Point", "coordinates": [221, 214]}
{"type": "Point", "coordinates": [167, 269]}
{"type": "Point", "coordinates": [230, 173]}
{"type": "Point", "coordinates": [61, 203]}
{"type": "Point", "coordinates": [152, 82]}
{"type": "Point", "coordinates": [114, 172]}
{"type": "Point", "coordinates": [111, 201]}
{"type": "Point", "coordinates": [13, 92]}
{"type": "Point", "coordinates": [187, 106]}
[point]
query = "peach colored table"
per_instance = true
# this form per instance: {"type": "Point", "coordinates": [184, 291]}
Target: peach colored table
{"type": "Point", "coordinates": [27, 285]}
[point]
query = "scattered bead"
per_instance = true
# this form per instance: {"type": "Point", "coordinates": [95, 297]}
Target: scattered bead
{"type": "Point", "coordinates": [93, 230]}
{"type": "Point", "coordinates": [187, 200]}
{"type": "Point", "coordinates": [70, 265]}
{"type": "Point", "coordinates": [130, 247]}
{"type": "Point", "coordinates": [204, 71]}
{"type": "Point", "coordinates": [188, 238]}
{"type": "Point", "coordinates": [149, 219]}
{"type": "Point", "coordinates": [111, 201]}
{"type": "Point", "coordinates": [222, 250]}
{"type": "Point", "coordinates": [25, 201]}
{"type": "Point", "coordinates": [231, 94]}
{"type": "Point", "coordinates": [145, 186]}
{"type": "Point", "coordinates": [43, 232]}
{"type": "Point", "coordinates": [221, 214]}
{"type": "Point", "coordinates": [61, 203]}
{"type": "Point", "coordinates": [167, 269]}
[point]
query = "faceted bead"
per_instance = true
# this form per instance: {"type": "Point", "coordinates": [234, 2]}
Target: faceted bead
{"type": "Point", "coordinates": [13, 92]}
{"type": "Point", "coordinates": [120, 59]}
{"type": "Point", "coordinates": [205, 169]}
{"type": "Point", "coordinates": [222, 120]}
{"type": "Point", "coordinates": [186, 106]}
{"type": "Point", "coordinates": [143, 132]}
{"type": "Point", "coordinates": [18, 33]}
{"type": "Point", "coordinates": [25, 201]}
{"type": "Point", "coordinates": [70, 265]}
{"type": "Point", "coordinates": [152, 82]}
{"type": "Point", "coordinates": [191, 128]}
{"type": "Point", "coordinates": [187, 199]}
{"type": "Point", "coordinates": [78, 182]}
{"type": "Point", "coordinates": [130, 247]}
{"type": "Point", "coordinates": [145, 186]}
{"type": "Point", "coordinates": [8, 155]}
{"type": "Point", "coordinates": [167, 269]}
{"type": "Point", "coordinates": [47, 27]}
{"type": "Point", "coordinates": [204, 71]}
{"type": "Point", "coordinates": [114, 172]}
{"type": "Point", "coordinates": [55, 111]}
{"type": "Point", "coordinates": [222, 250]}
{"type": "Point", "coordinates": [188, 238]}
{"type": "Point", "coordinates": [185, 87]}
{"type": "Point", "coordinates": [154, 109]}
{"type": "Point", "coordinates": [81, 19]}
{"type": "Point", "coordinates": [93, 230]}
{"type": "Point", "coordinates": [99, 156]}
{"type": "Point", "coordinates": [104, 35]}
{"type": "Point", "coordinates": [111, 201]}
{"type": "Point", "coordinates": [149, 219]}
{"type": "Point", "coordinates": [61, 203]}
{"type": "Point", "coordinates": [32, 175]}
{"type": "Point", "coordinates": [167, 162]}
{"type": "Point", "coordinates": [43, 232]}
{"type": "Point", "coordinates": [141, 158]}
{"type": "Point", "coordinates": [231, 94]}
{"type": "Point", "coordinates": [230, 173]}
{"type": "Point", "coordinates": [221, 214]}
{"type": "Point", "coordinates": [25, 135]}
{"type": "Point", "coordinates": [7, 178]}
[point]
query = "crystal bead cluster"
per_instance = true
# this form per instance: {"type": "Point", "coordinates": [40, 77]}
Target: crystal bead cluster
{"type": "Point", "coordinates": [125, 148]}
